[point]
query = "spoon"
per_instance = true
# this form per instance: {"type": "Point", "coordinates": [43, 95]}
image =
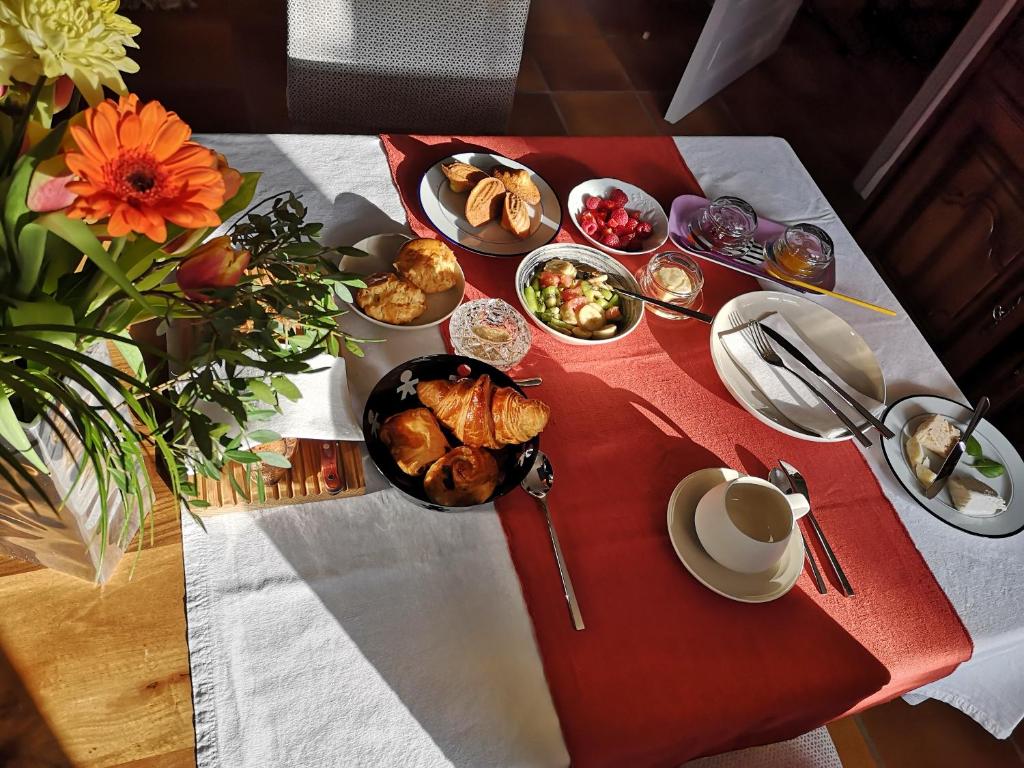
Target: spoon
{"type": "Point", "coordinates": [538, 484]}
{"type": "Point", "coordinates": [704, 317]}
{"type": "Point", "coordinates": [778, 478]}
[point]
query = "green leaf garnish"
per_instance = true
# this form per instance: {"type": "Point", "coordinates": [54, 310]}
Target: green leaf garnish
{"type": "Point", "coordinates": [973, 447]}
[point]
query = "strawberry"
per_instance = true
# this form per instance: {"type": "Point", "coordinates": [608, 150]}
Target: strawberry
{"type": "Point", "coordinates": [620, 231]}
{"type": "Point", "coordinates": [626, 238]}
{"type": "Point", "coordinates": [644, 228]}
{"type": "Point", "coordinates": [611, 240]}
{"type": "Point", "coordinates": [618, 197]}
{"type": "Point", "coordinates": [631, 225]}
{"type": "Point", "coordinates": [605, 231]}
{"type": "Point", "coordinates": [609, 204]}
{"type": "Point", "coordinates": [593, 202]}
{"type": "Point", "coordinates": [586, 218]}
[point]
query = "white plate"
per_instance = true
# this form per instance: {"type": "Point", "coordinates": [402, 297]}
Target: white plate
{"type": "Point", "coordinates": [383, 250]}
{"type": "Point", "coordinates": [901, 418]}
{"type": "Point", "coordinates": [744, 587]}
{"type": "Point", "coordinates": [648, 208]}
{"type": "Point", "coordinates": [446, 211]}
{"type": "Point", "coordinates": [831, 338]}
{"type": "Point", "coordinates": [632, 310]}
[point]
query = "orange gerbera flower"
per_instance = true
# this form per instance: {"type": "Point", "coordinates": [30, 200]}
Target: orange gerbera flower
{"type": "Point", "coordinates": [136, 167]}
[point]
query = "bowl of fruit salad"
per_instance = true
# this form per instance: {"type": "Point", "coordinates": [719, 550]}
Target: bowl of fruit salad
{"type": "Point", "coordinates": [568, 291]}
{"type": "Point", "coordinates": [618, 217]}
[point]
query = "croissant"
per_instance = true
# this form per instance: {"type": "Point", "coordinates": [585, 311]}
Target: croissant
{"type": "Point", "coordinates": [481, 415]}
{"type": "Point", "coordinates": [462, 477]}
{"type": "Point", "coordinates": [414, 439]}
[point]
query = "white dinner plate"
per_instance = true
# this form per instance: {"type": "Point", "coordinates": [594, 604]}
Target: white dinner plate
{"type": "Point", "coordinates": [828, 335]}
{"type": "Point", "coordinates": [446, 210]}
{"type": "Point", "coordinates": [743, 587]}
{"type": "Point", "coordinates": [383, 250]}
{"type": "Point", "coordinates": [648, 209]}
{"type": "Point", "coordinates": [902, 418]}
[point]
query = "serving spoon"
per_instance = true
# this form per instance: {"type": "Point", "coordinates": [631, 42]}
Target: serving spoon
{"type": "Point", "coordinates": [537, 483]}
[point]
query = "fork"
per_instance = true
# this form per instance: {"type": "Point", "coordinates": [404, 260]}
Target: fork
{"type": "Point", "coordinates": [759, 341]}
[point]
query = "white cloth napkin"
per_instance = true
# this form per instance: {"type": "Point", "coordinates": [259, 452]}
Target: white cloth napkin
{"type": "Point", "coordinates": [324, 412]}
{"type": "Point", "coordinates": [785, 391]}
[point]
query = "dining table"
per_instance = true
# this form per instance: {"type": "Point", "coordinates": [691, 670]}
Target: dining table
{"type": "Point", "coordinates": [370, 631]}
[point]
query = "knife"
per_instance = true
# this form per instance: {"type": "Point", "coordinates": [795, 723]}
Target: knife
{"type": "Point", "coordinates": [787, 345]}
{"type": "Point", "coordinates": [957, 452]}
{"type": "Point", "coordinates": [329, 466]}
{"type": "Point", "coordinates": [800, 486]}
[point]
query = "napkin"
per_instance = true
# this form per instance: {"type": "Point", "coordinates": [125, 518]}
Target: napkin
{"type": "Point", "coordinates": [785, 391]}
{"type": "Point", "coordinates": [324, 412]}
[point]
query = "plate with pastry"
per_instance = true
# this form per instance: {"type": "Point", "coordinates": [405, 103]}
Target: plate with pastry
{"type": "Point", "coordinates": [490, 204]}
{"type": "Point", "coordinates": [410, 282]}
{"type": "Point", "coordinates": [450, 432]}
{"type": "Point", "coordinates": [985, 494]}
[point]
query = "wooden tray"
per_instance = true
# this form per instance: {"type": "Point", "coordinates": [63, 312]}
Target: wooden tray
{"type": "Point", "coordinates": [301, 484]}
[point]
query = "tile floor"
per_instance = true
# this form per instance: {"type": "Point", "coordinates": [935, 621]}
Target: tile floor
{"type": "Point", "coordinates": [609, 67]}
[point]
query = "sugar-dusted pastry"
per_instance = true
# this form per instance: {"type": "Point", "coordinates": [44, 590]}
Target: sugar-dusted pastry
{"type": "Point", "coordinates": [414, 439]}
{"type": "Point", "coordinates": [937, 434]}
{"type": "Point", "coordinates": [391, 299]}
{"type": "Point", "coordinates": [482, 415]}
{"type": "Point", "coordinates": [462, 177]}
{"type": "Point", "coordinates": [462, 477]}
{"type": "Point", "coordinates": [518, 182]}
{"type": "Point", "coordinates": [428, 264]}
{"type": "Point", "coordinates": [484, 201]}
{"type": "Point", "coordinates": [515, 217]}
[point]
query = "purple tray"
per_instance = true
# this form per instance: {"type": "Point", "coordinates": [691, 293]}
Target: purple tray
{"type": "Point", "coordinates": [752, 262]}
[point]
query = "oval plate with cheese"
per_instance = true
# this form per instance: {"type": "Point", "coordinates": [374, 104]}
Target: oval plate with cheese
{"type": "Point", "coordinates": [904, 417]}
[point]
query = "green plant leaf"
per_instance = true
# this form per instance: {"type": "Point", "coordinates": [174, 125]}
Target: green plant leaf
{"type": "Point", "coordinates": [31, 251]}
{"type": "Point", "coordinates": [285, 387]}
{"type": "Point", "coordinates": [78, 234]}
{"type": "Point", "coordinates": [44, 312]}
{"type": "Point", "coordinates": [973, 447]}
{"type": "Point", "coordinates": [242, 457]}
{"type": "Point", "coordinates": [263, 436]}
{"type": "Point", "coordinates": [262, 391]}
{"type": "Point", "coordinates": [988, 467]}
{"type": "Point", "coordinates": [11, 431]}
{"type": "Point", "coordinates": [347, 250]}
{"type": "Point", "coordinates": [274, 459]}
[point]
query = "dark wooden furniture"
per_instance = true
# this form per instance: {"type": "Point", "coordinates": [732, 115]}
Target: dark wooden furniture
{"type": "Point", "coordinates": [947, 232]}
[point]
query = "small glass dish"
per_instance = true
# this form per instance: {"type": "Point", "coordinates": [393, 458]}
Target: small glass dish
{"type": "Point", "coordinates": [490, 330]}
{"type": "Point", "coordinates": [802, 251]}
{"type": "Point", "coordinates": [673, 277]}
{"type": "Point", "coordinates": [725, 225]}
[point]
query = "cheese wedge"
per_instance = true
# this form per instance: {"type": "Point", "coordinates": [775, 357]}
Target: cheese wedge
{"type": "Point", "coordinates": [972, 497]}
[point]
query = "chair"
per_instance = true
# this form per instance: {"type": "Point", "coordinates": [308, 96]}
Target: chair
{"type": "Point", "coordinates": [417, 66]}
{"type": "Point", "coordinates": [812, 750]}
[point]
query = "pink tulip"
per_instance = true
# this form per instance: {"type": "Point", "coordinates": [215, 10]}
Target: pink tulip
{"type": "Point", "coordinates": [47, 190]}
{"type": "Point", "coordinates": [215, 264]}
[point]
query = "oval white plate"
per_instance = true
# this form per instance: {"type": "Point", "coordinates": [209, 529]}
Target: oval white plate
{"type": "Point", "coordinates": [993, 444]}
{"type": "Point", "coordinates": [632, 309]}
{"type": "Point", "coordinates": [649, 209]}
{"type": "Point", "coordinates": [446, 210]}
{"type": "Point", "coordinates": [383, 250]}
{"type": "Point", "coordinates": [743, 587]}
{"type": "Point", "coordinates": [831, 338]}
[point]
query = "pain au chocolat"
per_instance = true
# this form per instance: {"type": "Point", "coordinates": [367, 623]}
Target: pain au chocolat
{"type": "Point", "coordinates": [484, 201]}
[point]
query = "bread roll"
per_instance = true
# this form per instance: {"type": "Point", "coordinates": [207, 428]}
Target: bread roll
{"type": "Point", "coordinates": [428, 264]}
{"type": "Point", "coordinates": [391, 299]}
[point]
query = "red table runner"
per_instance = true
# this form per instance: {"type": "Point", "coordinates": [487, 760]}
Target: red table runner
{"type": "Point", "coordinates": [666, 670]}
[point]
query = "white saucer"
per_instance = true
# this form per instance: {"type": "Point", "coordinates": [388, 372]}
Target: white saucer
{"type": "Point", "coordinates": [743, 587]}
{"type": "Point", "coordinates": [383, 250]}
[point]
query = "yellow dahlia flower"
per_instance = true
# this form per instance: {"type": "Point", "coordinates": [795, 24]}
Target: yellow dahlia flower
{"type": "Point", "coordinates": [83, 39]}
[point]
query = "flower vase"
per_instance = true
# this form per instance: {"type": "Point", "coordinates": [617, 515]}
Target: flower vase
{"type": "Point", "coordinates": [67, 536]}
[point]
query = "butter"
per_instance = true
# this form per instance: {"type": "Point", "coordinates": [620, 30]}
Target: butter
{"type": "Point", "coordinates": [972, 497]}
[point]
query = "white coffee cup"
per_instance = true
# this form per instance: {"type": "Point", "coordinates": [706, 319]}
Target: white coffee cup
{"type": "Point", "coordinates": [745, 524]}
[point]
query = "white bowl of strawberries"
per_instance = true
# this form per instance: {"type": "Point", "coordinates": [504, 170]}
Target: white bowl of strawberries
{"type": "Point", "coordinates": [618, 217]}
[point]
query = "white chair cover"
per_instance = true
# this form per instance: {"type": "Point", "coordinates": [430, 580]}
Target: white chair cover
{"type": "Point", "coordinates": [812, 750]}
{"type": "Point", "coordinates": [426, 66]}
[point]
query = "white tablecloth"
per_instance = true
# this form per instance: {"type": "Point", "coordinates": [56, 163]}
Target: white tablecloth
{"type": "Point", "coordinates": [368, 632]}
